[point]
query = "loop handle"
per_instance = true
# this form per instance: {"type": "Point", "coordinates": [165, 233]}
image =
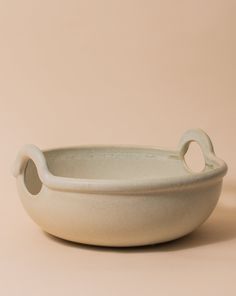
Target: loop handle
{"type": "Point", "coordinates": [36, 155]}
{"type": "Point", "coordinates": [199, 136]}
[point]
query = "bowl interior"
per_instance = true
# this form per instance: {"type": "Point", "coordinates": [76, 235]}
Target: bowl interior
{"type": "Point", "coordinates": [113, 163]}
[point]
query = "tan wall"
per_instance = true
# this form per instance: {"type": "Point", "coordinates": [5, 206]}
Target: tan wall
{"type": "Point", "coordinates": [118, 72]}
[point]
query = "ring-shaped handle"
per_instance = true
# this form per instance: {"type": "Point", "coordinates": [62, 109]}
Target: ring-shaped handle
{"type": "Point", "coordinates": [36, 155]}
{"type": "Point", "coordinates": [203, 140]}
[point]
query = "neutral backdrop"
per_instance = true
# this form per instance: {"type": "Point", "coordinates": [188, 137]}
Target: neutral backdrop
{"type": "Point", "coordinates": [116, 72]}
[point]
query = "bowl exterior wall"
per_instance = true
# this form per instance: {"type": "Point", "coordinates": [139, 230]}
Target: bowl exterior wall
{"type": "Point", "coordinates": [120, 220]}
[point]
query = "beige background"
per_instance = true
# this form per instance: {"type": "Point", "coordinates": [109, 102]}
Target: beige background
{"type": "Point", "coordinates": [128, 72]}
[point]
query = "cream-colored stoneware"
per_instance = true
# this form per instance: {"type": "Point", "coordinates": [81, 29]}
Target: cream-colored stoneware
{"type": "Point", "coordinates": [119, 196]}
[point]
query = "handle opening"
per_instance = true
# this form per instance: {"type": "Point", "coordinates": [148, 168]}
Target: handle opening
{"type": "Point", "coordinates": [194, 159]}
{"type": "Point", "coordinates": [31, 178]}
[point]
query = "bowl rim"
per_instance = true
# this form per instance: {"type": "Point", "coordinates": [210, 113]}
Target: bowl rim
{"type": "Point", "coordinates": [215, 169]}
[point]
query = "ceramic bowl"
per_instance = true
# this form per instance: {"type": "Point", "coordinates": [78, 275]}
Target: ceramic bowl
{"type": "Point", "coordinates": [119, 195]}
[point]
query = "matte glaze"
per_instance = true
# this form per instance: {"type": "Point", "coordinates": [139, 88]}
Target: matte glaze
{"type": "Point", "coordinates": [119, 196]}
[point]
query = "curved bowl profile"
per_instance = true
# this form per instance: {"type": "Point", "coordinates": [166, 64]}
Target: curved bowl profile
{"type": "Point", "coordinates": [116, 195]}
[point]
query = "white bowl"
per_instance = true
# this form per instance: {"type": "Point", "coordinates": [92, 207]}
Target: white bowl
{"type": "Point", "coordinates": [116, 195]}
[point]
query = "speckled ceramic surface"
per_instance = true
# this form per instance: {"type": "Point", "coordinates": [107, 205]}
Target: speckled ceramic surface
{"type": "Point", "coordinates": [119, 195]}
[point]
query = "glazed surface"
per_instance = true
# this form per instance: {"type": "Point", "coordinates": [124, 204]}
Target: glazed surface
{"type": "Point", "coordinates": [114, 163]}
